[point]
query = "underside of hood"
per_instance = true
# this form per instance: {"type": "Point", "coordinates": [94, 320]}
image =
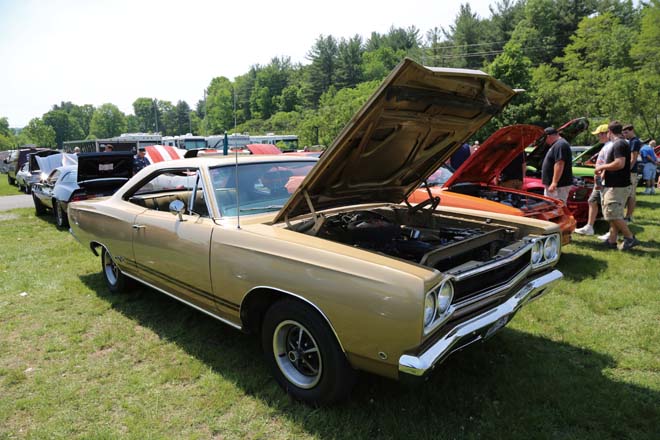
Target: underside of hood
{"type": "Point", "coordinates": [47, 161]}
{"type": "Point", "coordinates": [406, 130]}
{"type": "Point", "coordinates": [495, 154]}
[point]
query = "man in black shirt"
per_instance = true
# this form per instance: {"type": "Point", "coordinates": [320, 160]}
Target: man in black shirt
{"type": "Point", "coordinates": [616, 187]}
{"type": "Point", "coordinates": [556, 171]}
{"type": "Point", "coordinates": [635, 146]}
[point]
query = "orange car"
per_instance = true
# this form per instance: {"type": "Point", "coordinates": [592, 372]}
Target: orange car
{"type": "Point", "coordinates": [473, 185]}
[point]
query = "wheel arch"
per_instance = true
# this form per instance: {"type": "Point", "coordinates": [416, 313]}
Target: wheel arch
{"type": "Point", "coordinates": [257, 301]}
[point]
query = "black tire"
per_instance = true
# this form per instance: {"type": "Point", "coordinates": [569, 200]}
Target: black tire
{"type": "Point", "coordinates": [61, 217]}
{"type": "Point", "coordinates": [318, 377]}
{"type": "Point", "coordinates": [114, 278]}
{"type": "Point", "coordinates": [10, 180]}
{"type": "Point", "coordinates": [39, 208]}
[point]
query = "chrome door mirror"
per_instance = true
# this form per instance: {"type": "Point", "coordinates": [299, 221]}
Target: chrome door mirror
{"type": "Point", "coordinates": [178, 207]}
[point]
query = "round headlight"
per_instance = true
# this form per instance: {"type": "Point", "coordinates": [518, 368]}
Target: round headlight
{"type": "Point", "coordinates": [445, 295]}
{"type": "Point", "coordinates": [429, 308]}
{"type": "Point", "coordinates": [537, 252]}
{"type": "Point", "coordinates": [551, 248]}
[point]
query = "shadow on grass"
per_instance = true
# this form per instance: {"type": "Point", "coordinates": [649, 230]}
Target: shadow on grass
{"type": "Point", "coordinates": [516, 385]}
{"type": "Point", "coordinates": [578, 267]}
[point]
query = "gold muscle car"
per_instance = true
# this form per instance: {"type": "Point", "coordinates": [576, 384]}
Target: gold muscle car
{"type": "Point", "coordinates": [335, 271]}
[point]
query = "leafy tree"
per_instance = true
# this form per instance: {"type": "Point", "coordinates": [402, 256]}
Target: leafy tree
{"type": "Point", "coordinates": [146, 112]}
{"type": "Point", "coordinates": [107, 121]}
{"type": "Point", "coordinates": [39, 133]}
{"type": "Point", "coordinates": [467, 37]}
{"type": "Point", "coordinates": [82, 114]}
{"type": "Point", "coordinates": [4, 127]}
{"type": "Point", "coordinates": [166, 118]}
{"type": "Point", "coordinates": [646, 50]}
{"type": "Point", "coordinates": [349, 62]}
{"type": "Point", "coordinates": [65, 126]}
{"type": "Point", "coordinates": [378, 63]}
{"type": "Point", "coordinates": [219, 106]}
{"type": "Point", "coordinates": [182, 123]}
{"type": "Point", "coordinates": [269, 83]}
{"type": "Point", "coordinates": [132, 124]}
{"type": "Point", "coordinates": [322, 71]}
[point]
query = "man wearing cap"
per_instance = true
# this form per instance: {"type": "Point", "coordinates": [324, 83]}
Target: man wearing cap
{"type": "Point", "coordinates": [556, 171]}
{"type": "Point", "coordinates": [635, 147]}
{"type": "Point", "coordinates": [595, 197]}
{"type": "Point", "coordinates": [616, 187]}
{"type": "Point", "coordinates": [140, 160]}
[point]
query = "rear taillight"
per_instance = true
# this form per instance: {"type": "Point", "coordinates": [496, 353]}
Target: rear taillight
{"type": "Point", "coordinates": [79, 197]}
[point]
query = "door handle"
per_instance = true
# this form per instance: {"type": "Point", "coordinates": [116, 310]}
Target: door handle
{"type": "Point", "coordinates": [139, 226]}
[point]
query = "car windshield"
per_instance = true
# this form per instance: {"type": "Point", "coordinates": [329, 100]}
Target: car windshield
{"type": "Point", "coordinates": [439, 177]}
{"type": "Point", "coordinates": [262, 187]}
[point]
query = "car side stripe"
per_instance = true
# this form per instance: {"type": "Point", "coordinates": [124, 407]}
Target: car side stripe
{"type": "Point", "coordinates": [193, 289]}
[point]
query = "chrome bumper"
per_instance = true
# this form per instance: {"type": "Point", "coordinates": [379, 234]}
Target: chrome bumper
{"type": "Point", "coordinates": [478, 328]}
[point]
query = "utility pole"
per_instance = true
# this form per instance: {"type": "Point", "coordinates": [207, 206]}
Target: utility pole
{"type": "Point", "coordinates": [205, 115]}
{"type": "Point", "coordinates": [234, 89]}
{"type": "Point", "coordinates": [156, 114]}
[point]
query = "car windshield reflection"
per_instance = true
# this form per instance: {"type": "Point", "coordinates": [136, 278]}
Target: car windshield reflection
{"type": "Point", "coordinates": [440, 177]}
{"type": "Point", "coordinates": [260, 187]}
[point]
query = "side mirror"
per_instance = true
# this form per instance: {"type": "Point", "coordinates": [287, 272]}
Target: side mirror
{"type": "Point", "coordinates": [178, 207]}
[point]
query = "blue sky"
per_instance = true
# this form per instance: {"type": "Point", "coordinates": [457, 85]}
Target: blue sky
{"type": "Point", "coordinates": [98, 51]}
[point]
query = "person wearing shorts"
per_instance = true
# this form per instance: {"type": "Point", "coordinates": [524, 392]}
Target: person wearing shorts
{"type": "Point", "coordinates": [595, 196]}
{"type": "Point", "coordinates": [616, 187]}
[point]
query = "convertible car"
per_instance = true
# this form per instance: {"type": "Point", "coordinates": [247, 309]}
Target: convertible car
{"type": "Point", "coordinates": [335, 273]}
{"type": "Point", "coordinates": [474, 184]}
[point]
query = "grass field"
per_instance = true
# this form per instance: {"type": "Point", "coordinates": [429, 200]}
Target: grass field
{"type": "Point", "coordinates": [6, 189]}
{"type": "Point", "coordinates": [78, 361]}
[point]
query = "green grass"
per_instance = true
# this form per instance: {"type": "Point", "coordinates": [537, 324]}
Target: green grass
{"type": "Point", "coordinates": [78, 361]}
{"type": "Point", "coordinates": [6, 189]}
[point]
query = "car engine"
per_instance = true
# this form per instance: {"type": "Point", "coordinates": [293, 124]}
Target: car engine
{"type": "Point", "coordinates": [419, 238]}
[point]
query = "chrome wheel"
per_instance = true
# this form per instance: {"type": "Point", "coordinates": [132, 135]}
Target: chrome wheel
{"type": "Point", "coordinates": [297, 354]}
{"type": "Point", "coordinates": [110, 269]}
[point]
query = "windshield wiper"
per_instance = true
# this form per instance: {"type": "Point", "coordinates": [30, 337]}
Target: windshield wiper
{"type": "Point", "coordinates": [261, 208]}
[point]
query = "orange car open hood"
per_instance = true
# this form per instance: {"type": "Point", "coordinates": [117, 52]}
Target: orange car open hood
{"type": "Point", "coordinates": [495, 154]}
{"type": "Point", "coordinates": [415, 120]}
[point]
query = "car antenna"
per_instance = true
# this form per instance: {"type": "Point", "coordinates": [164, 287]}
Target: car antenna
{"type": "Point", "coordinates": [238, 203]}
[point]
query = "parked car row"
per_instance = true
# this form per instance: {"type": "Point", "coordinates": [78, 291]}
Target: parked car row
{"type": "Point", "coordinates": [342, 263]}
{"type": "Point", "coordinates": [94, 175]}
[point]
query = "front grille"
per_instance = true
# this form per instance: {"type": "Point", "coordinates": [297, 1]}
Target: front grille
{"type": "Point", "coordinates": [489, 279]}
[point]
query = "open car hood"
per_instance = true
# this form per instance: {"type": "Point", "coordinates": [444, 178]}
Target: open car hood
{"type": "Point", "coordinates": [93, 166]}
{"type": "Point", "coordinates": [415, 120]}
{"type": "Point", "coordinates": [495, 154]}
{"type": "Point", "coordinates": [568, 131]}
{"type": "Point", "coordinates": [47, 161]}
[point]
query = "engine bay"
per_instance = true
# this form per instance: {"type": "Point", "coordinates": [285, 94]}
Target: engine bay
{"type": "Point", "coordinates": [524, 202]}
{"type": "Point", "coordinates": [413, 235]}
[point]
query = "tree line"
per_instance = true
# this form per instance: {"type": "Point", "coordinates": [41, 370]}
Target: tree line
{"type": "Point", "coordinates": [593, 58]}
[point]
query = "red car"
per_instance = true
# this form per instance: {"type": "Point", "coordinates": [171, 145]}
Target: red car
{"type": "Point", "coordinates": [479, 175]}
